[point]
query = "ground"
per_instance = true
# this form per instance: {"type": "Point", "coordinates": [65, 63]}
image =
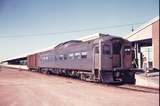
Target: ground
{"type": "Point", "coordinates": [23, 88]}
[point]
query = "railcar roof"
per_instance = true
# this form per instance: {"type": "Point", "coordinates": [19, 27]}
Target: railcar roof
{"type": "Point", "coordinates": [67, 43]}
{"type": "Point", "coordinates": [93, 38]}
{"type": "Point", "coordinates": [96, 36]}
{"type": "Point", "coordinates": [105, 37]}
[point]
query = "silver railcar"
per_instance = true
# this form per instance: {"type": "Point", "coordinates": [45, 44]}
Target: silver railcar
{"type": "Point", "coordinates": [106, 59]}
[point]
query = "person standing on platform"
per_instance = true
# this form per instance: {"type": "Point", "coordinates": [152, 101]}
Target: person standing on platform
{"type": "Point", "coordinates": [145, 67]}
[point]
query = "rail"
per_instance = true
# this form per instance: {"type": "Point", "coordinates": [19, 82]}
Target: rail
{"type": "Point", "coordinates": [139, 88]}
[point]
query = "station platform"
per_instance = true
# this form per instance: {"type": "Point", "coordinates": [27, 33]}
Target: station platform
{"type": "Point", "coordinates": [151, 80]}
{"type": "Point", "coordinates": [15, 66]}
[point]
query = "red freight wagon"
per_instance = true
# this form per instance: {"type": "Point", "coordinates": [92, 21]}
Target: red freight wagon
{"type": "Point", "coordinates": [32, 61]}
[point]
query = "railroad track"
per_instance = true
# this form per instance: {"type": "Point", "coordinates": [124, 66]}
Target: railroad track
{"type": "Point", "coordinates": [139, 88]}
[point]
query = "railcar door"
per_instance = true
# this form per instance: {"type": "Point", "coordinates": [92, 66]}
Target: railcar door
{"type": "Point", "coordinates": [96, 57]}
{"type": "Point", "coordinates": [116, 53]}
{"type": "Point", "coordinates": [106, 62]}
{"type": "Point", "coordinates": [102, 59]}
{"type": "Point", "coordinates": [96, 61]}
{"type": "Point", "coordinates": [106, 57]}
{"type": "Point", "coordinates": [127, 56]}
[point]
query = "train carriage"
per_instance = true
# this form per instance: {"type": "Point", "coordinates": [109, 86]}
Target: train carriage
{"type": "Point", "coordinates": [106, 59]}
{"type": "Point", "coordinates": [32, 62]}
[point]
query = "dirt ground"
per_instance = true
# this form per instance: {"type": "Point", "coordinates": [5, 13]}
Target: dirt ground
{"type": "Point", "coordinates": [22, 88]}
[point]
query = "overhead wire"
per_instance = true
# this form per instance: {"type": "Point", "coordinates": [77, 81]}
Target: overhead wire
{"type": "Point", "coordinates": [71, 31]}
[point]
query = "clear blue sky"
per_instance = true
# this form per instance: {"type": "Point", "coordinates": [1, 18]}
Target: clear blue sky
{"type": "Point", "coordinates": [26, 17]}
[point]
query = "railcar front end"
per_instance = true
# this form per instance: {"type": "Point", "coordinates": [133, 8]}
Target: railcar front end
{"type": "Point", "coordinates": [116, 61]}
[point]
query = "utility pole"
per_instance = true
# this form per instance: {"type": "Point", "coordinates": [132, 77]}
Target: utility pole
{"type": "Point", "coordinates": [132, 29]}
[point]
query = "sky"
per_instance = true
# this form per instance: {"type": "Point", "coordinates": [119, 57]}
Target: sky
{"type": "Point", "coordinates": [31, 25]}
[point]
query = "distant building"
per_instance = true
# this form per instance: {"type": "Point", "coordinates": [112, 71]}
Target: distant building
{"type": "Point", "coordinates": [16, 61]}
{"type": "Point", "coordinates": [146, 42]}
{"type": "Point", "coordinates": [22, 59]}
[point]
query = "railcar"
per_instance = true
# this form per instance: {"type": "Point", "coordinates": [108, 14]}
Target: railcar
{"type": "Point", "coordinates": [106, 59]}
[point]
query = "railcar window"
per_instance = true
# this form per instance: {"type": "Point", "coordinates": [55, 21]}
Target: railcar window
{"type": "Point", "coordinates": [77, 56]}
{"type": "Point", "coordinates": [55, 58]}
{"type": "Point", "coordinates": [65, 57]}
{"type": "Point", "coordinates": [116, 48]}
{"type": "Point", "coordinates": [106, 49]}
{"type": "Point", "coordinates": [84, 55]}
{"type": "Point", "coordinates": [49, 58]}
{"type": "Point", "coordinates": [46, 58]}
{"type": "Point", "coordinates": [71, 56]}
{"type": "Point", "coordinates": [52, 57]}
{"type": "Point", "coordinates": [41, 58]}
{"type": "Point", "coordinates": [96, 50]}
{"type": "Point", "coordinates": [127, 50]}
{"type": "Point", "coordinates": [61, 57]}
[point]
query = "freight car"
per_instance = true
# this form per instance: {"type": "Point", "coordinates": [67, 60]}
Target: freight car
{"type": "Point", "coordinates": [106, 59]}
